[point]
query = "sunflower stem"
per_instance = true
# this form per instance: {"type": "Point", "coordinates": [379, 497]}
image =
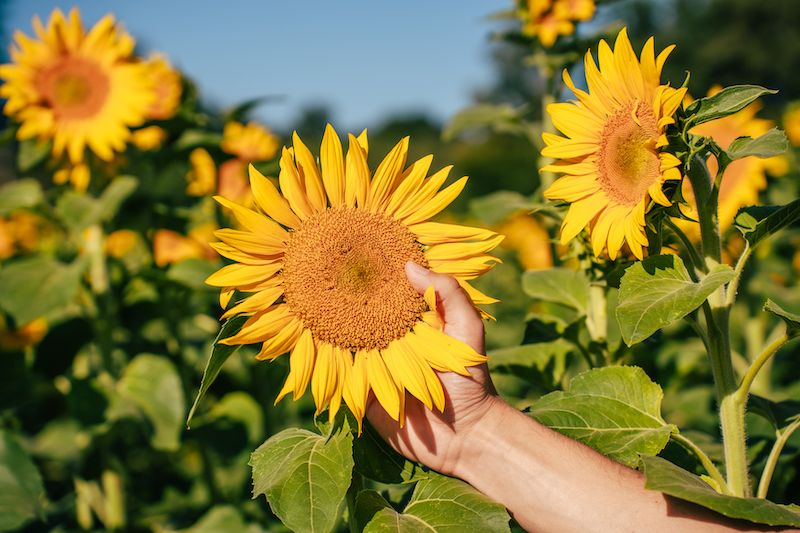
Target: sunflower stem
{"type": "Point", "coordinates": [104, 304]}
{"type": "Point", "coordinates": [733, 286]}
{"type": "Point", "coordinates": [717, 314]}
{"type": "Point", "coordinates": [696, 260]}
{"type": "Point", "coordinates": [774, 454]}
{"type": "Point", "coordinates": [747, 381]}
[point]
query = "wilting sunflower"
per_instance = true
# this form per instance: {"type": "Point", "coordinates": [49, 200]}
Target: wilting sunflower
{"type": "Point", "coordinates": [743, 179]}
{"type": "Point", "coordinates": [77, 88]}
{"type": "Point", "coordinates": [611, 156]}
{"type": "Point", "coordinates": [323, 263]}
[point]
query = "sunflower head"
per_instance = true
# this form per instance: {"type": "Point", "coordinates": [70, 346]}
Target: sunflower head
{"type": "Point", "coordinates": [249, 142]}
{"type": "Point", "coordinates": [167, 86]}
{"type": "Point", "coordinates": [546, 20]}
{"type": "Point", "coordinates": [319, 268]}
{"type": "Point", "coordinates": [79, 89]}
{"type": "Point", "coordinates": [611, 155]}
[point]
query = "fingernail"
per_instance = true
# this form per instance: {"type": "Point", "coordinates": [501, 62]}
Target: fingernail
{"type": "Point", "coordinates": [415, 269]}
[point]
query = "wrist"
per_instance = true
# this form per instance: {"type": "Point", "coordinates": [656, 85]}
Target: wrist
{"type": "Point", "coordinates": [479, 438]}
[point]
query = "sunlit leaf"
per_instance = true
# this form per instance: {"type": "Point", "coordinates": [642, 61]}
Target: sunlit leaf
{"type": "Point", "coordinates": [772, 143]}
{"type": "Point", "coordinates": [443, 505]}
{"type": "Point", "coordinates": [79, 210]}
{"type": "Point", "coordinates": [192, 273]}
{"type": "Point", "coordinates": [661, 475]}
{"type": "Point", "coordinates": [501, 118]}
{"type": "Point", "coordinates": [658, 291]}
{"type": "Point", "coordinates": [559, 285]}
{"type": "Point", "coordinates": [615, 410]}
{"type": "Point", "coordinates": [494, 207]}
{"type": "Point", "coordinates": [20, 194]}
{"type": "Point", "coordinates": [31, 153]}
{"type": "Point", "coordinates": [37, 286]}
{"type": "Point", "coordinates": [791, 320]}
{"type": "Point", "coordinates": [304, 476]}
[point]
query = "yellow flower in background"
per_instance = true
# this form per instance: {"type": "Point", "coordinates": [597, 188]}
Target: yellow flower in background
{"type": "Point", "coordinates": [611, 157]}
{"type": "Point", "coordinates": [323, 262]}
{"type": "Point", "coordinates": [233, 182]}
{"type": "Point", "coordinates": [121, 242]}
{"type": "Point", "coordinates": [743, 179]}
{"type": "Point", "coordinates": [7, 247]}
{"type": "Point", "coordinates": [791, 123]}
{"type": "Point", "coordinates": [24, 232]}
{"type": "Point", "coordinates": [148, 138]}
{"type": "Point", "coordinates": [76, 174]}
{"type": "Point", "coordinates": [166, 83]}
{"type": "Point", "coordinates": [202, 176]}
{"type": "Point", "coordinates": [529, 239]}
{"type": "Point", "coordinates": [171, 247]}
{"type": "Point", "coordinates": [23, 337]}
{"type": "Point", "coordinates": [77, 88]}
{"type": "Point", "coordinates": [546, 20]}
{"type": "Point", "coordinates": [251, 142]}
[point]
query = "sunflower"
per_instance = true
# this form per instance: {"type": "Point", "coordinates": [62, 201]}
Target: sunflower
{"type": "Point", "coordinates": [546, 20]}
{"type": "Point", "coordinates": [167, 86]}
{"type": "Point", "coordinates": [791, 123]}
{"type": "Point", "coordinates": [79, 89]}
{"type": "Point", "coordinates": [250, 142]}
{"type": "Point", "coordinates": [743, 179]}
{"type": "Point", "coordinates": [201, 179]}
{"type": "Point", "coordinates": [323, 263]}
{"type": "Point", "coordinates": [611, 156]}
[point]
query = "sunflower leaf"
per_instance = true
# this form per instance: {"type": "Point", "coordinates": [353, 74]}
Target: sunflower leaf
{"type": "Point", "coordinates": [791, 320]}
{"type": "Point", "coordinates": [219, 354]}
{"type": "Point", "coordinates": [560, 285]}
{"type": "Point", "coordinates": [758, 222]}
{"type": "Point", "coordinates": [376, 460]}
{"type": "Point", "coordinates": [31, 153]}
{"type": "Point", "coordinates": [615, 410]}
{"type": "Point", "coordinates": [20, 194]}
{"type": "Point", "coordinates": [38, 285]}
{"type": "Point", "coordinates": [304, 476]}
{"type": "Point", "coordinates": [658, 291]}
{"type": "Point", "coordinates": [22, 495]}
{"type": "Point", "coordinates": [438, 503]}
{"type": "Point", "coordinates": [726, 102]}
{"type": "Point", "coordinates": [772, 143]}
{"type": "Point", "coordinates": [663, 476]}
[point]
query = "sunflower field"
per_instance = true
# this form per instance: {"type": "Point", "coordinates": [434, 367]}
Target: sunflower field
{"type": "Point", "coordinates": [200, 313]}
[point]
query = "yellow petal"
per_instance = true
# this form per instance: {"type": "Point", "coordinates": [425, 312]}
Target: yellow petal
{"type": "Point", "coordinates": [405, 369]}
{"type": "Point", "coordinates": [253, 221]}
{"type": "Point", "coordinates": [410, 183]}
{"type": "Point", "coordinates": [261, 326]}
{"type": "Point", "coordinates": [301, 366]}
{"type": "Point", "coordinates": [382, 383]}
{"type": "Point", "coordinates": [236, 274]}
{"type": "Point", "coordinates": [425, 193]}
{"type": "Point", "coordinates": [386, 175]}
{"type": "Point", "coordinates": [293, 188]}
{"type": "Point", "coordinates": [260, 300]}
{"type": "Point", "coordinates": [437, 233]}
{"type": "Point", "coordinates": [270, 200]}
{"type": "Point", "coordinates": [459, 250]}
{"type": "Point", "coordinates": [250, 243]}
{"type": "Point", "coordinates": [282, 342]}
{"type": "Point", "coordinates": [310, 174]}
{"type": "Point", "coordinates": [437, 203]}
{"type": "Point", "coordinates": [356, 174]}
{"type": "Point", "coordinates": [332, 161]}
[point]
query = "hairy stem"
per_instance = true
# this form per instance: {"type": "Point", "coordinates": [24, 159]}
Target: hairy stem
{"type": "Point", "coordinates": [733, 286]}
{"type": "Point", "coordinates": [697, 261]}
{"type": "Point", "coordinates": [772, 460]}
{"type": "Point", "coordinates": [707, 463]}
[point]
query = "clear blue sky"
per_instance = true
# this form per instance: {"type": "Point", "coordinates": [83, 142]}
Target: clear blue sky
{"type": "Point", "coordinates": [364, 58]}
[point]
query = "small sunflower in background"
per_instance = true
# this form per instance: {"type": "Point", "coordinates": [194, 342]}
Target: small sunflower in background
{"type": "Point", "coordinates": [79, 89]}
{"type": "Point", "coordinates": [322, 264]}
{"type": "Point", "coordinates": [611, 156]}
{"type": "Point", "coordinates": [546, 20]}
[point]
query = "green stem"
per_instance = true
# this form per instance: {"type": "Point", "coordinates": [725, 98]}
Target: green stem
{"type": "Point", "coordinates": [755, 367]}
{"type": "Point", "coordinates": [98, 280]}
{"type": "Point", "coordinates": [697, 261]}
{"type": "Point", "coordinates": [772, 460]}
{"type": "Point", "coordinates": [733, 286]}
{"type": "Point", "coordinates": [707, 463]}
{"type": "Point", "coordinates": [707, 211]}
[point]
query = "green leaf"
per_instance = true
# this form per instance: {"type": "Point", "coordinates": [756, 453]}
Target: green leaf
{"type": "Point", "coordinates": [31, 153]}
{"type": "Point", "coordinates": [658, 291]}
{"type": "Point", "coordinates": [114, 196]}
{"type": "Point", "coordinates": [376, 460]}
{"type": "Point", "coordinates": [195, 138]}
{"type": "Point", "coordinates": [442, 505]}
{"type": "Point", "coordinates": [241, 407]}
{"type": "Point", "coordinates": [792, 320]}
{"type": "Point", "coordinates": [728, 101]}
{"type": "Point", "coordinates": [757, 222]}
{"type": "Point", "coordinates": [772, 143]}
{"type": "Point", "coordinates": [79, 210]}
{"type": "Point", "coordinates": [37, 286]}
{"type": "Point", "coordinates": [219, 354]}
{"type": "Point", "coordinates": [22, 495]}
{"type": "Point", "coordinates": [494, 207]}
{"type": "Point", "coordinates": [192, 273]}
{"type": "Point", "coordinates": [661, 475]}
{"type": "Point", "coordinates": [779, 414]}
{"type": "Point", "coordinates": [222, 519]}
{"type": "Point", "coordinates": [615, 410]}
{"type": "Point", "coordinates": [368, 503]}
{"type": "Point", "coordinates": [559, 285]}
{"type": "Point", "coordinates": [240, 112]}
{"type": "Point", "coordinates": [152, 384]}
{"type": "Point", "coordinates": [501, 118]}
{"type": "Point", "coordinates": [304, 476]}
{"type": "Point", "coordinates": [20, 194]}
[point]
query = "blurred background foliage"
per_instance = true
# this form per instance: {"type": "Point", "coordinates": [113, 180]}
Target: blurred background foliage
{"type": "Point", "coordinates": [94, 393]}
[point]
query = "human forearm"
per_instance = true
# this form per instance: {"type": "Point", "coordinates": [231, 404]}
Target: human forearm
{"type": "Point", "coordinates": [552, 483]}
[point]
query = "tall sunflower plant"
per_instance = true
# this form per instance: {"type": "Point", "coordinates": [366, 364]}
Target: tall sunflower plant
{"type": "Point", "coordinates": [650, 248]}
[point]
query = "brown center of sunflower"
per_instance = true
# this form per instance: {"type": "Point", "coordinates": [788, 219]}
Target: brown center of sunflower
{"type": "Point", "coordinates": [74, 87]}
{"type": "Point", "coordinates": [344, 276]}
{"type": "Point", "coordinates": [628, 160]}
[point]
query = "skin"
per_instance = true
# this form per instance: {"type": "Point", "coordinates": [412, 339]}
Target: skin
{"type": "Point", "coordinates": [547, 481]}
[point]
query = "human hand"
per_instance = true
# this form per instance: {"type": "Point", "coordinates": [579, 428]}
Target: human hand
{"type": "Point", "coordinates": [432, 438]}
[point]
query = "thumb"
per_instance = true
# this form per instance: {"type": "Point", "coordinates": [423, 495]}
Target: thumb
{"type": "Point", "coordinates": [461, 319]}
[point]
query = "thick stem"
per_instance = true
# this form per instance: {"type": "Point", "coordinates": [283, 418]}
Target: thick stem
{"type": "Point", "coordinates": [772, 460]}
{"type": "Point", "coordinates": [707, 463]}
{"type": "Point", "coordinates": [707, 213]}
{"type": "Point", "coordinates": [697, 261]}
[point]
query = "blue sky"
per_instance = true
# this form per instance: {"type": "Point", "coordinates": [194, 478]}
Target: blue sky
{"type": "Point", "coordinates": [365, 59]}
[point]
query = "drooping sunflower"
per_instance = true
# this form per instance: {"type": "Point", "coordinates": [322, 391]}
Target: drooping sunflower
{"type": "Point", "coordinates": [78, 88]}
{"type": "Point", "coordinates": [611, 156]}
{"type": "Point", "coordinates": [743, 179]}
{"type": "Point", "coordinates": [323, 263]}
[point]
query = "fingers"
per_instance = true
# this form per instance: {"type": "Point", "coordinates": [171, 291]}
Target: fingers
{"type": "Point", "coordinates": [461, 319]}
